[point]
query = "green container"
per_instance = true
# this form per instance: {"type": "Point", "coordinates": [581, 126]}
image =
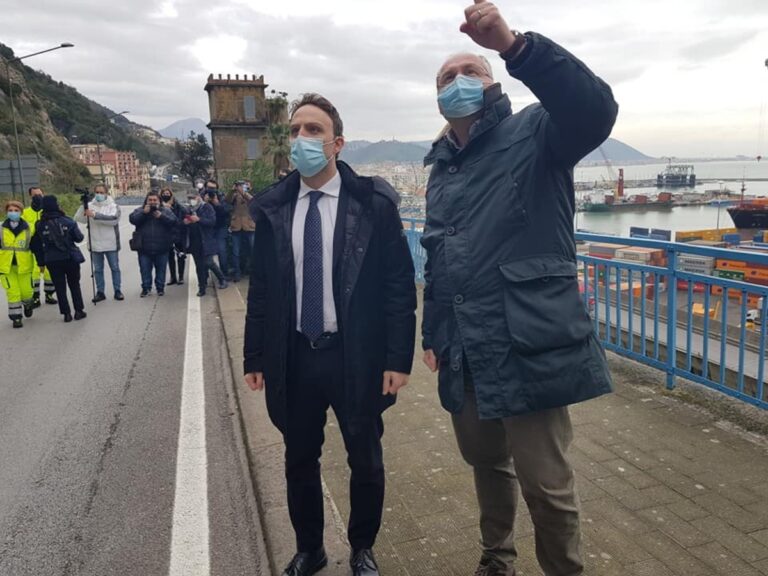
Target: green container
{"type": "Point", "coordinates": [730, 274]}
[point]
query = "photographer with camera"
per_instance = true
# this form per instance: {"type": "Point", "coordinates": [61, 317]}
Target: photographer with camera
{"type": "Point", "coordinates": [152, 239]}
{"type": "Point", "coordinates": [54, 246]}
{"type": "Point", "coordinates": [200, 223]}
{"type": "Point", "coordinates": [177, 257]}
{"type": "Point", "coordinates": [223, 210]}
{"type": "Point", "coordinates": [241, 226]}
{"type": "Point", "coordinates": [103, 218]}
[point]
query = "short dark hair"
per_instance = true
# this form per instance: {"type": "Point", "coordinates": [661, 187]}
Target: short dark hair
{"type": "Point", "coordinates": [325, 105]}
{"type": "Point", "coordinates": [212, 181]}
{"type": "Point", "coordinates": [29, 191]}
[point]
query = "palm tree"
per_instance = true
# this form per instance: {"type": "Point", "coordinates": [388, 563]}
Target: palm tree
{"type": "Point", "coordinates": [277, 145]}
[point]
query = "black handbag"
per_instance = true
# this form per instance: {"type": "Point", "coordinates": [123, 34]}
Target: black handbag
{"type": "Point", "coordinates": [135, 242]}
{"type": "Point", "coordinates": [77, 255]}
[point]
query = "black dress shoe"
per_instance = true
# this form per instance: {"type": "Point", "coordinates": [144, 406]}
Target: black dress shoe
{"type": "Point", "coordinates": [363, 563]}
{"type": "Point", "coordinates": [306, 563]}
{"type": "Point", "coordinates": [67, 317]}
{"type": "Point", "coordinates": [172, 282]}
{"type": "Point", "coordinates": [80, 314]}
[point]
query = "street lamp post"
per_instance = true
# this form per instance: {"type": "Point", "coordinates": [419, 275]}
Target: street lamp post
{"type": "Point", "coordinates": [13, 107]}
{"type": "Point", "coordinates": [98, 144]}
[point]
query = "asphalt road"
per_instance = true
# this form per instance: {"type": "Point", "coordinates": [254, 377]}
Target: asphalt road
{"type": "Point", "coordinates": [89, 439]}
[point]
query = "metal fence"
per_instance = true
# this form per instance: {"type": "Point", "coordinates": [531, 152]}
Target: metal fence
{"type": "Point", "coordinates": [704, 328]}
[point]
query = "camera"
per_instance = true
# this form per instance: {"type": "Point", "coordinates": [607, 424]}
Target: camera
{"type": "Point", "coordinates": [85, 195]}
{"type": "Point", "coordinates": [153, 208]}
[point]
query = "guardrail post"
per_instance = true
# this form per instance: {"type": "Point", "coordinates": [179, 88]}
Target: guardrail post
{"type": "Point", "coordinates": [671, 316]}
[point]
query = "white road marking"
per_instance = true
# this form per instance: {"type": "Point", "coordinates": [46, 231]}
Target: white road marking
{"type": "Point", "coordinates": [190, 536]}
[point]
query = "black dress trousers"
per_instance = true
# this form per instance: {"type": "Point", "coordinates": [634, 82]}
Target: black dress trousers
{"type": "Point", "coordinates": [315, 382]}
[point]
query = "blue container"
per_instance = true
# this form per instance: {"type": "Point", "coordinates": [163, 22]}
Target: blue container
{"type": "Point", "coordinates": [664, 234]}
{"type": "Point", "coordinates": [637, 232]}
{"type": "Point", "coordinates": [732, 238]}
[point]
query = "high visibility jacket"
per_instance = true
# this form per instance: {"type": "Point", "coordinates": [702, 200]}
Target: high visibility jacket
{"type": "Point", "coordinates": [15, 245]}
{"type": "Point", "coordinates": [31, 217]}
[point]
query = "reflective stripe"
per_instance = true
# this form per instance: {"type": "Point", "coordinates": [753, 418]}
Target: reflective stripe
{"type": "Point", "coordinates": [15, 247]}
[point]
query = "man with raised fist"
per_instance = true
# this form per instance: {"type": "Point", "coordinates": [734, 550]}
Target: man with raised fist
{"type": "Point", "coordinates": [503, 320]}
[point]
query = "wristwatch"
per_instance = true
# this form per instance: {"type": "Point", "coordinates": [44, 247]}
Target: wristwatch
{"type": "Point", "coordinates": [517, 46]}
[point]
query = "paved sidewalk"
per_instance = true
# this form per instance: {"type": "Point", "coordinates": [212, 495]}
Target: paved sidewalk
{"type": "Point", "coordinates": [667, 487]}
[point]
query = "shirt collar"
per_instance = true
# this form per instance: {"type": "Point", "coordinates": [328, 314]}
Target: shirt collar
{"type": "Point", "coordinates": [332, 187]}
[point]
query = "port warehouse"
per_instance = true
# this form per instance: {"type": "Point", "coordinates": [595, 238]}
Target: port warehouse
{"type": "Point", "coordinates": [703, 296]}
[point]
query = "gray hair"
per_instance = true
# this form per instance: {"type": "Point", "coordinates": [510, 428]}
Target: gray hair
{"type": "Point", "coordinates": [485, 62]}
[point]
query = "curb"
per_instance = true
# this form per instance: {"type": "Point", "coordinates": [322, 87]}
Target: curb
{"type": "Point", "coordinates": [265, 455]}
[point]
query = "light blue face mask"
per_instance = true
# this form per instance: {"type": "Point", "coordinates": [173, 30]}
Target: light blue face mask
{"type": "Point", "coordinates": [14, 216]}
{"type": "Point", "coordinates": [461, 98]}
{"type": "Point", "coordinates": [308, 156]}
{"type": "Point", "coordinates": [99, 197]}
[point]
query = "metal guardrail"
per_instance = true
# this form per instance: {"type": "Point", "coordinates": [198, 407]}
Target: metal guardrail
{"type": "Point", "coordinates": [658, 327]}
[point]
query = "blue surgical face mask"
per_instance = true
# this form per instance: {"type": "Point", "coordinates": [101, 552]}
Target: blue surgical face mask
{"type": "Point", "coordinates": [99, 197]}
{"type": "Point", "coordinates": [461, 98]}
{"type": "Point", "coordinates": [308, 156]}
{"type": "Point", "coordinates": [14, 216]}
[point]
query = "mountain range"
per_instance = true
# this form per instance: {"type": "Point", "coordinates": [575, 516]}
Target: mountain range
{"type": "Point", "coordinates": [364, 152]}
{"type": "Point", "coordinates": [358, 152]}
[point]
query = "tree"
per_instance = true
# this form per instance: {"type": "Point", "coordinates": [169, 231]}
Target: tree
{"type": "Point", "coordinates": [194, 156]}
{"type": "Point", "coordinates": [277, 146]}
{"type": "Point", "coordinates": [258, 172]}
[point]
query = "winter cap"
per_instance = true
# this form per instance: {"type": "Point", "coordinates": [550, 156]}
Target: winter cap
{"type": "Point", "coordinates": [50, 204]}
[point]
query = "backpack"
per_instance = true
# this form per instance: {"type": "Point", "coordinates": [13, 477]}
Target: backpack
{"type": "Point", "coordinates": [54, 236]}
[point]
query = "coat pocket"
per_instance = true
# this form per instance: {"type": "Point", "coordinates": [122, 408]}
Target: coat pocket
{"type": "Point", "coordinates": [542, 305]}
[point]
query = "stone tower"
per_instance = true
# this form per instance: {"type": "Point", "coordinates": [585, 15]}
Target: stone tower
{"type": "Point", "coordinates": [239, 120]}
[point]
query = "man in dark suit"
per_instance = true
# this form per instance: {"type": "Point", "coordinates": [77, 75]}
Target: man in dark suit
{"type": "Point", "coordinates": [330, 322]}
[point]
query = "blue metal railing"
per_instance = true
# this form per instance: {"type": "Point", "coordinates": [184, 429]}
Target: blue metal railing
{"type": "Point", "coordinates": [646, 316]}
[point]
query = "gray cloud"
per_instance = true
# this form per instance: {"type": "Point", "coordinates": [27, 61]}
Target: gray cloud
{"type": "Point", "coordinates": [381, 79]}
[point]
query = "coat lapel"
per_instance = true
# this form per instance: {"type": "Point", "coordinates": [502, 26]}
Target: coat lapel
{"type": "Point", "coordinates": [358, 229]}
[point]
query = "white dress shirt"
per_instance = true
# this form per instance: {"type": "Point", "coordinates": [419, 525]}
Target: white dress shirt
{"type": "Point", "coordinates": [328, 206]}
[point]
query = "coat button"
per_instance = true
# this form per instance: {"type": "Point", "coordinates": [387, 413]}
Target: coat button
{"type": "Point", "coordinates": [458, 299]}
{"type": "Point", "coordinates": [456, 366]}
{"type": "Point", "coordinates": [452, 169]}
{"type": "Point", "coordinates": [450, 231]}
{"type": "Point", "coordinates": [359, 249]}
{"type": "Point", "coordinates": [348, 289]}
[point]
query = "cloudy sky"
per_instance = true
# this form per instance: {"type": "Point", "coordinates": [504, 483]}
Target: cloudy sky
{"type": "Point", "coordinates": [689, 76]}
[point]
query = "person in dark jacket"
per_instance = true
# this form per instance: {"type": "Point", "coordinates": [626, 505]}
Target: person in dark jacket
{"type": "Point", "coordinates": [200, 222]}
{"type": "Point", "coordinates": [54, 245]}
{"type": "Point", "coordinates": [223, 210]}
{"type": "Point", "coordinates": [330, 322]}
{"type": "Point", "coordinates": [155, 228]}
{"type": "Point", "coordinates": [177, 256]}
{"type": "Point", "coordinates": [503, 320]}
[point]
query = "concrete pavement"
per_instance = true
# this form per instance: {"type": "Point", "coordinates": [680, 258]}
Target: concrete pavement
{"type": "Point", "coordinates": [671, 483]}
{"type": "Point", "coordinates": [89, 428]}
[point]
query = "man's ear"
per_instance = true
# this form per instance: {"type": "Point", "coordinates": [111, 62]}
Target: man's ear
{"type": "Point", "coordinates": [338, 145]}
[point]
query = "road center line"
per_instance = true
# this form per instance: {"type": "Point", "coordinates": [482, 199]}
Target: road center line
{"type": "Point", "coordinates": [190, 535]}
